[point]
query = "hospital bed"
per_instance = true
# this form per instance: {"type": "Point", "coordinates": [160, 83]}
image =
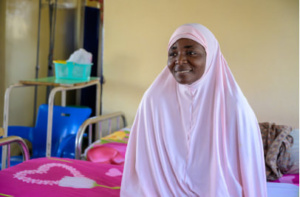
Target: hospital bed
{"type": "Point", "coordinates": [54, 176]}
{"type": "Point", "coordinates": [97, 169]}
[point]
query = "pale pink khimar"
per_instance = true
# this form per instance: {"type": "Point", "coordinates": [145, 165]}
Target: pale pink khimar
{"type": "Point", "coordinates": [201, 139]}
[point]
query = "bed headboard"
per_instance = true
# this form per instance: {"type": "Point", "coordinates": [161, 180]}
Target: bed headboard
{"type": "Point", "coordinates": [14, 139]}
{"type": "Point", "coordinates": [105, 124]}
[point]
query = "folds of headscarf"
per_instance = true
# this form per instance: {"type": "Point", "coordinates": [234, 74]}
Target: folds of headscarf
{"type": "Point", "coordinates": [201, 139]}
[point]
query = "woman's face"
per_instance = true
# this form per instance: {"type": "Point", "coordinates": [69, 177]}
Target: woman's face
{"type": "Point", "coordinates": [186, 61]}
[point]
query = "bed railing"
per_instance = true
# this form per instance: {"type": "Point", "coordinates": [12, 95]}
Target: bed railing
{"type": "Point", "coordinates": [113, 122]}
{"type": "Point", "coordinates": [11, 139]}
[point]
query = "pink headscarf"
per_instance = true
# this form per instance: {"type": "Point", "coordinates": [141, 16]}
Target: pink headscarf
{"type": "Point", "coordinates": [201, 139]}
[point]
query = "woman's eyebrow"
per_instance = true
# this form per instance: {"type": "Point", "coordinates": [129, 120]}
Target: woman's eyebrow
{"type": "Point", "coordinates": [174, 47]}
{"type": "Point", "coordinates": [188, 46]}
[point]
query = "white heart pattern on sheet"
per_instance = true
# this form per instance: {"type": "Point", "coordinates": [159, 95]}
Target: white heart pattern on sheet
{"type": "Point", "coordinates": [43, 169]}
{"type": "Point", "coordinates": [114, 172]}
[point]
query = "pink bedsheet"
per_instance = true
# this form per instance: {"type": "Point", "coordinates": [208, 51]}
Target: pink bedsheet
{"type": "Point", "coordinates": [288, 178]}
{"type": "Point", "coordinates": [68, 177]}
{"type": "Point", "coordinates": [61, 177]}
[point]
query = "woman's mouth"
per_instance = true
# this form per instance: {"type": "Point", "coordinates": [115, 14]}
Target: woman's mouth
{"type": "Point", "coordinates": [182, 71]}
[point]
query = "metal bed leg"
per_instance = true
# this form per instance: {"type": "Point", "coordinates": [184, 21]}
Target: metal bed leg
{"type": "Point", "coordinates": [5, 120]}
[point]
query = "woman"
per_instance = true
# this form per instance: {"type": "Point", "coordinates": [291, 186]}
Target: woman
{"type": "Point", "coordinates": [194, 133]}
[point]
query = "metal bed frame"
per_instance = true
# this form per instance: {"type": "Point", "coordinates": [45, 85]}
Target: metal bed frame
{"type": "Point", "coordinates": [112, 122]}
{"type": "Point", "coordinates": [109, 123]}
{"type": "Point", "coordinates": [12, 139]}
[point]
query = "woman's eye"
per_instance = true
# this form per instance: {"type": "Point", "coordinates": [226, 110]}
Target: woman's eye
{"type": "Point", "coordinates": [191, 53]}
{"type": "Point", "coordinates": [173, 54]}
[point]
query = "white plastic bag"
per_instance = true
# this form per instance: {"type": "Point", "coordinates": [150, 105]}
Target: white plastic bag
{"type": "Point", "coordinates": [81, 56]}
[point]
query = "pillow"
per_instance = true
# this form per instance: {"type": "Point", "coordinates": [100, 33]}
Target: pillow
{"type": "Point", "coordinates": [109, 149]}
{"type": "Point", "coordinates": [105, 154]}
{"type": "Point", "coordinates": [294, 153]}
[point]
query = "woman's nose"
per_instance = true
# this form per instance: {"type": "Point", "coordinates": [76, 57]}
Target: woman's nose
{"type": "Point", "coordinates": [181, 59]}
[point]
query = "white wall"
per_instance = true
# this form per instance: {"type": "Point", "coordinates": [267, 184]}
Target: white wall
{"type": "Point", "coordinates": [259, 39]}
{"type": "Point", "coordinates": [19, 30]}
